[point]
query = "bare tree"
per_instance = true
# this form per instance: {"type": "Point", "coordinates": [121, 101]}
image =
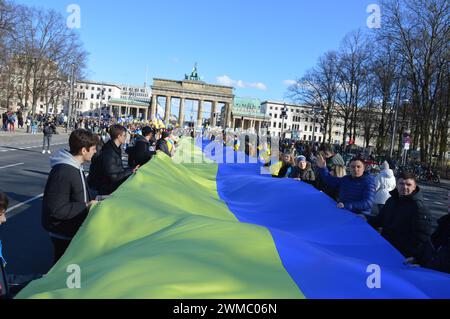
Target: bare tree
{"type": "Point", "coordinates": [384, 68]}
{"type": "Point", "coordinates": [7, 36]}
{"type": "Point", "coordinates": [318, 88]}
{"type": "Point", "coordinates": [420, 32]}
{"type": "Point", "coordinates": [369, 115]}
{"type": "Point", "coordinates": [45, 51]}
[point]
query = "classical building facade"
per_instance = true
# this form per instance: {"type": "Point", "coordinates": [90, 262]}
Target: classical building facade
{"type": "Point", "coordinates": [126, 108]}
{"type": "Point", "coordinates": [302, 122]}
{"type": "Point", "coordinates": [297, 122]}
{"type": "Point", "coordinates": [190, 90]}
{"type": "Point", "coordinates": [136, 93]}
{"type": "Point", "coordinates": [45, 90]}
{"type": "Point", "coordinates": [92, 98]}
{"type": "Point", "coordinates": [249, 114]}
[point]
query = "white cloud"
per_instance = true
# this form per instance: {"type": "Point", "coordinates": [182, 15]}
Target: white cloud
{"type": "Point", "coordinates": [226, 80]}
{"type": "Point", "coordinates": [289, 82]}
{"type": "Point", "coordinates": [259, 86]}
{"type": "Point", "coordinates": [240, 84]}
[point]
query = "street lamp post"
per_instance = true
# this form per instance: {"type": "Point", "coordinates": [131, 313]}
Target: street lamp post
{"type": "Point", "coordinates": [283, 117]}
{"type": "Point", "coordinates": [314, 124]}
{"type": "Point", "coordinates": [70, 111]}
{"type": "Point", "coordinates": [394, 126]}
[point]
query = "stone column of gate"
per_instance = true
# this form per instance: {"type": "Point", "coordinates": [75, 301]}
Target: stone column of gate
{"type": "Point", "coordinates": [168, 108]}
{"type": "Point", "coordinates": [213, 113]}
{"type": "Point", "coordinates": [229, 119]}
{"type": "Point", "coordinates": [200, 113]}
{"type": "Point", "coordinates": [153, 107]}
{"type": "Point", "coordinates": [181, 115]}
{"type": "Point", "coordinates": [225, 116]}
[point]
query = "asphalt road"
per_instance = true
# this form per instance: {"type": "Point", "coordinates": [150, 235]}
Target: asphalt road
{"type": "Point", "coordinates": [23, 175]}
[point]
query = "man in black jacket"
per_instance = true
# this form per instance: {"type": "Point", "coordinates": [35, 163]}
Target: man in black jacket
{"type": "Point", "coordinates": [111, 172]}
{"type": "Point", "coordinates": [436, 252]}
{"type": "Point", "coordinates": [404, 219]}
{"type": "Point", "coordinates": [66, 197]}
{"type": "Point", "coordinates": [48, 129]}
{"type": "Point", "coordinates": [144, 147]}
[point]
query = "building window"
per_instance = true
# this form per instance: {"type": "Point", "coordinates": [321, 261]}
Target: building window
{"type": "Point", "coordinates": [310, 129]}
{"type": "Point", "coordinates": [92, 96]}
{"type": "Point", "coordinates": [306, 128]}
{"type": "Point", "coordinates": [110, 90]}
{"type": "Point", "coordinates": [274, 124]}
{"type": "Point", "coordinates": [304, 137]}
{"type": "Point", "coordinates": [93, 88]}
{"type": "Point", "coordinates": [317, 129]}
{"type": "Point", "coordinates": [276, 116]}
{"type": "Point", "coordinates": [279, 125]}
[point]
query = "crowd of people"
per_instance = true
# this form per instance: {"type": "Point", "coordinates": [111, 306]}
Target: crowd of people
{"type": "Point", "coordinates": [365, 186]}
{"type": "Point", "coordinates": [393, 206]}
{"type": "Point", "coordinates": [68, 195]}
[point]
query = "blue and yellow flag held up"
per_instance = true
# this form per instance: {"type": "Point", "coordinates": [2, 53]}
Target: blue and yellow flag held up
{"type": "Point", "coordinates": [202, 230]}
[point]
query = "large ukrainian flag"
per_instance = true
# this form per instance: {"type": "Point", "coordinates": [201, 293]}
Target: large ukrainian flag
{"type": "Point", "coordinates": [208, 230]}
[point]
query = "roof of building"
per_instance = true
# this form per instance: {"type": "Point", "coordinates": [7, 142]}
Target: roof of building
{"type": "Point", "coordinates": [98, 83]}
{"type": "Point", "coordinates": [248, 107]}
{"type": "Point", "coordinates": [285, 103]}
{"type": "Point", "coordinates": [128, 102]}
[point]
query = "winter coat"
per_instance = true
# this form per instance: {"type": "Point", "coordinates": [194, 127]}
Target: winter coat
{"type": "Point", "coordinates": [143, 150]}
{"type": "Point", "coordinates": [66, 194]}
{"type": "Point", "coordinates": [436, 253]}
{"type": "Point", "coordinates": [384, 184]}
{"type": "Point", "coordinates": [307, 175]}
{"type": "Point", "coordinates": [285, 171]}
{"type": "Point", "coordinates": [49, 129]}
{"type": "Point", "coordinates": [356, 194]}
{"type": "Point", "coordinates": [405, 223]}
{"type": "Point", "coordinates": [109, 169]}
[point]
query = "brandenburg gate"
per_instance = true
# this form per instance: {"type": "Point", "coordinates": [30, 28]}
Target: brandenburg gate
{"type": "Point", "coordinates": [193, 89]}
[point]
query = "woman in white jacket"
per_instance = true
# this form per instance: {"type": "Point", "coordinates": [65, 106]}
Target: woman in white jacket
{"type": "Point", "coordinates": [385, 183]}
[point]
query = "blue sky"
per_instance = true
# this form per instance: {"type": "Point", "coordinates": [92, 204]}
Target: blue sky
{"type": "Point", "coordinates": [257, 45]}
